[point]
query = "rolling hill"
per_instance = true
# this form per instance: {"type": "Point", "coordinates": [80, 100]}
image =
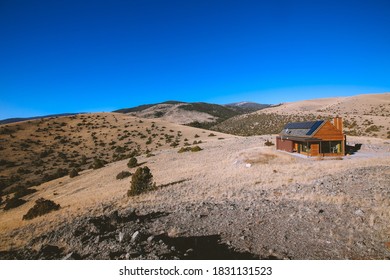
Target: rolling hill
{"type": "Point", "coordinates": [197, 114]}
{"type": "Point", "coordinates": [212, 191]}
{"type": "Point", "coordinates": [37, 151]}
{"type": "Point", "coordinates": [363, 115]}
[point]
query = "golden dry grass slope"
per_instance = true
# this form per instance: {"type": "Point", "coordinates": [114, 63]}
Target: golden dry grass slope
{"type": "Point", "coordinates": [37, 151]}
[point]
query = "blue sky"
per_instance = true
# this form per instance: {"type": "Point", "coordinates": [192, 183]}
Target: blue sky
{"type": "Point", "coordinates": [84, 56]}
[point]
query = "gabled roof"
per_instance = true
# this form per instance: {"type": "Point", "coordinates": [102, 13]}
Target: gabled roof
{"type": "Point", "coordinates": [301, 129]}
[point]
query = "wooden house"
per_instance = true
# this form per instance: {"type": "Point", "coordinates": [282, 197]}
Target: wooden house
{"type": "Point", "coordinates": [316, 138]}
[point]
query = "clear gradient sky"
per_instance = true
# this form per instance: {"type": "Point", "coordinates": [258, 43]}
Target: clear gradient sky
{"type": "Point", "coordinates": [84, 56]}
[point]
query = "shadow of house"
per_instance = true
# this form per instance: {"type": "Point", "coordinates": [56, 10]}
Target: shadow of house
{"type": "Point", "coordinates": [352, 149]}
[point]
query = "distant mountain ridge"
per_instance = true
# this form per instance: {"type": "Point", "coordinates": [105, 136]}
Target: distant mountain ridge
{"type": "Point", "coordinates": [144, 107]}
{"type": "Point", "coordinates": [198, 114]}
{"type": "Point", "coordinates": [247, 107]}
{"type": "Point", "coordinates": [14, 120]}
{"type": "Point", "coordinates": [175, 111]}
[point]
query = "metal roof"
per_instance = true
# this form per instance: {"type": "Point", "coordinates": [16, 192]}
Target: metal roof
{"type": "Point", "coordinates": [301, 129]}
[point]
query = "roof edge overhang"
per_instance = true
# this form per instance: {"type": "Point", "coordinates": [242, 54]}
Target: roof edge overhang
{"type": "Point", "coordinates": [318, 128]}
{"type": "Point", "coordinates": [295, 138]}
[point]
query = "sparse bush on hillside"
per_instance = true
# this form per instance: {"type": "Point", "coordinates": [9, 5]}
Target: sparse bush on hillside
{"type": "Point", "coordinates": [123, 174]}
{"type": "Point", "coordinates": [13, 203]}
{"type": "Point", "coordinates": [83, 160]}
{"type": "Point", "coordinates": [260, 123]}
{"type": "Point", "coordinates": [73, 173]}
{"type": "Point", "coordinates": [42, 206]}
{"type": "Point", "coordinates": [182, 150]}
{"type": "Point", "coordinates": [188, 149]}
{"type": "Point", "coordinates": [60, 172]}
{"type": "Point", "coordinates": [269, 143]}
{"type": "Point", "coordinates": [132, 162]}
{"type": "Point", "coordinates": [23, 191]}
{"type": "Point", "coordinates": [174, 144]}
{"type": "Point", "coordinates": [372, 128]}
{"type": "Point", "coordinates": [141, 182]}
{"type": "Point", "coordinates": [196, 149]}
{"type": "Point", "coordinates": [97, 163]}
{"type": "Point", "coordinates": [158, 114]}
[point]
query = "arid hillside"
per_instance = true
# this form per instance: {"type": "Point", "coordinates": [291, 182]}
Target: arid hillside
{"type": "Point", "coordinates": [363, 115]}
{"type": "Point", "coordinates": [175, 113]}
{"type": "Point", "coordinates": [37, 151]}
{"type": "Point", "coordinates": [67, 187]}
{"type": "Point", "coordinates": [237, 197]}
{"type": "Point", "coordinates": [196, 114]}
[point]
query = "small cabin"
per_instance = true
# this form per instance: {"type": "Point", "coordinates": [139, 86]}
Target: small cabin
{"type": "Point", "coordinates": [316, 138]}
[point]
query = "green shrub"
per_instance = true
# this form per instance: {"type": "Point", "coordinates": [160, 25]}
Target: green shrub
{"type": "Point", "coordinates": [174, 144]}
{"type": "Point", "coordinates": [42, 206]}
{"type": "Point", "coordinates": [23, 192]}
{"type": "Point", "coordinates": [182, 150]}
{"type": "Point", "coordinates": [268, 143]}
{"type": "Point", "coordinates": [83, 160]}
{"type": "Point", "coordinates": [141, 181]}
{"type": "Point", "coordinates": [132, 162]}
{"type": "Point", "coordinates": [13, 203]}
{"type": "Point", "coordinates": [73, 173]}
{"type": "Point", "coordinates": [196, 149]}
{"type": "Point", "coordinates": [122, 175]}
{"type": "Point", "coordinates": [188, 149]}
{"type": "Point", "coordinates": [97, 163]}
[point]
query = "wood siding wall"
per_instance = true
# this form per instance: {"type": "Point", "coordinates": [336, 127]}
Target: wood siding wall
{"type": "Point", "coordinates": [315, 149]}
{"type": "Point", "coordinates": [329, 132]}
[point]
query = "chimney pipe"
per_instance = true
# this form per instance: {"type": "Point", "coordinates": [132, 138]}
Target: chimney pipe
{"type": "Point", "coordinates": [338, 123]}
{"type": "Point", "coordinates": [340, 120]}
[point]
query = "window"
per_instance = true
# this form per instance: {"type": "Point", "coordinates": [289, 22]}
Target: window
{"type": "Point", "coordinates": [304, 147]}
{"type": "Point", "coordinates": [330, 147]}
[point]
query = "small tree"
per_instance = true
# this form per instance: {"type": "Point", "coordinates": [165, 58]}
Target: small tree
{"type": "Point", "coordinates": [13, 203]}
{"type": "Point", "coordinates": [42, 206]}
{"type": "Point", "coordinates": [83, 160]}
{"type": "Point", "coordinates": [141, 181]}
{"type": "Point", "coordinates": [132, 162]}
{"type": "Point", "coordinates": [97, 163]}
{"type": "Point", "coordinates": [268, 143]}
{"type": "Point", "coordinates": [122, 175]}
{"type": "Point", "coordinates": [73, 173]}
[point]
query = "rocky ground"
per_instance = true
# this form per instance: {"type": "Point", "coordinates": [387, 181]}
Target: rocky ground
{"type": "Point", "coordinates": [267, 226]}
